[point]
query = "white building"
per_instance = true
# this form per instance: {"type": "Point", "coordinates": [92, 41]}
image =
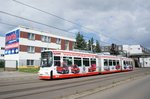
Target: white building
{"type": "Point", "coordinates": [132, 50]}
{"type": "Point", "coordinates": [23, 46]}
{"type": "Point", "coordinates": [138, 49]}
{"type": "Point", "coordinates": [135, 49]}
{"type": "Point", "coordinates": [2, 47]}
{"type": "Point", "coordinates": [145, 62]}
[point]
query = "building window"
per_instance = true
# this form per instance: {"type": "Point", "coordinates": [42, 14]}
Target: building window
{"type": "Point", "coordinates": [30, 62]}
{"type": "Point", "coordinates": [66, 45]}
{"type": "Point", "coordinates": [45, 39]}
{"type": "Point", "coordinates": [31, 49]}
{"type": "Point", "coordinates": [146, 63]}
{"type": "Point", "coordinates": [2, 55]}
{"type": "Point", "coordinates": [73, 45]}
{"type": "Point", "coordinates": [119, 48]}
{"type": "Point", "coordinates": [58, 40]}
{"type": "Point", "coordinates": [138, 48]}
{"type": "Point", "coordinates": [43, 49]}
{"type": "Point", "coordinates": [2, 48]}
{"type": "Point", "coordinates": [31, 36]}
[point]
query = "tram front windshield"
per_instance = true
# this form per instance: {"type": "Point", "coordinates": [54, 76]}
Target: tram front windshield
{"type": "Point", "coordinates": [46, 59]}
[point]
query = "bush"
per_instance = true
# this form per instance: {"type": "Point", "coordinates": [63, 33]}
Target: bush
{"type": "Point", "coordinates": [29, 70]}
{"type": "Point", "coordinates": [2, 64]}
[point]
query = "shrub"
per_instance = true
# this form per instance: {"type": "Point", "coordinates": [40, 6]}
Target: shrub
{"type": "Point", "coordinates": [2, 64]}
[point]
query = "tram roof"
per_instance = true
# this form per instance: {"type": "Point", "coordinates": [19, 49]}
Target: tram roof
{"type": "Point", "coordinates": [84, 54]}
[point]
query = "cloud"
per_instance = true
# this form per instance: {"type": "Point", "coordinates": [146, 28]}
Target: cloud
{"type": "Point", "coordinates": [114, 21]}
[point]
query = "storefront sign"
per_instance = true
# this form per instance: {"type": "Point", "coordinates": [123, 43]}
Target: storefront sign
{"type": "Point", "coordinates": [12, 42]}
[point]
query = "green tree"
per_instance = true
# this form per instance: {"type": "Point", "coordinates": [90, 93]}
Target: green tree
{"type": "Point", "coordinates": [89, 45]}
{"type": "Point", "coordinates": [97, 47]}
{"type": "Point", "coordinates": [80, 42]}
{"type": "Point", "coordinates": [114, 49]}
{"type": "Point", "coordinates": [2, 64]}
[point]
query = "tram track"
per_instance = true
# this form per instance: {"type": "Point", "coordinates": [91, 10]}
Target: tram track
{"type": "Point", "coordinates": [41, 81]}
{"type": "Point", "coordinates": [19, 82]}
{"type": "Point", "coordinates": [65, 85]}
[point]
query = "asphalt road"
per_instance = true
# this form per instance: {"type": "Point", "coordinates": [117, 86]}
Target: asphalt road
{"type": "Point", "coordinates": [28, 86]}
{"type": "Point", "coordinates": [137, 89]}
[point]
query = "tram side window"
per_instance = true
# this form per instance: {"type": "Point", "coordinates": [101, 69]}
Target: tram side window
{"type": "Point", "coordinates": [93, 61]}
{"type": "Point", "coordinates": [86, 61]}
{"type": "Point", "coordinates": [131, 63]}
{"type": "Point", "coordinates": [110, 62]}
{"type": "Point", "coordinates": [118, 62]}
{"type": "Point", "coordinates": [68, 60]}
{"type": "Point", "coordinates": [124, 62]}
{"type": "Point", "coordinates": [105, 62]}
{"type": "Point", "coordinates": [127, 63]}
{"type": "Point", "coordinates": [77, 61]}
{"type": "Point", "coordinates": [114, 62]}
{"type": "Point", "coordinates": [56, 60]}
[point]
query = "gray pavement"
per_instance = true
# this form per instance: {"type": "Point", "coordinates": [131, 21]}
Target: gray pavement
{"type": "Point", "coordinates": [1, 69]}
{"type": "Point", "coordinates": [51, 89]}
{"type": "Point", "coordinates": [15, 75]}
{"type": "Point", "coordinates": [137, 89]}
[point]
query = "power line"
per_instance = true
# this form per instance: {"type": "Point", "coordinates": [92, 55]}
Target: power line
{"type": "Point", "coordinates": [45, 12]}
{"type": "Point", "coordinates": [96, 39]}
{"type": "Point", "coordinates": [8, 24]}
{"type": "Point", "coordinates": [12, 25]}
{"type": "Point", "coordinates": [34, 22]}
{"type": "Point", "coordinates": [61, 18]}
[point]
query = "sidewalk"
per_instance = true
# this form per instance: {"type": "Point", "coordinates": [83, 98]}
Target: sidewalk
{"type": "Point", "coordinates": [1, 69]}
{"type": "Point", "coordinates": [16, 74]}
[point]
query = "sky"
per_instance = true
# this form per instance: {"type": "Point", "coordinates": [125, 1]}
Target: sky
{"type": "Point", "coordinates": [109, 21]}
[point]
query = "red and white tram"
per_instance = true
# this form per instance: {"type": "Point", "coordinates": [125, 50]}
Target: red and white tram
{"type": "Point", "coordinates": [65, 64]}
